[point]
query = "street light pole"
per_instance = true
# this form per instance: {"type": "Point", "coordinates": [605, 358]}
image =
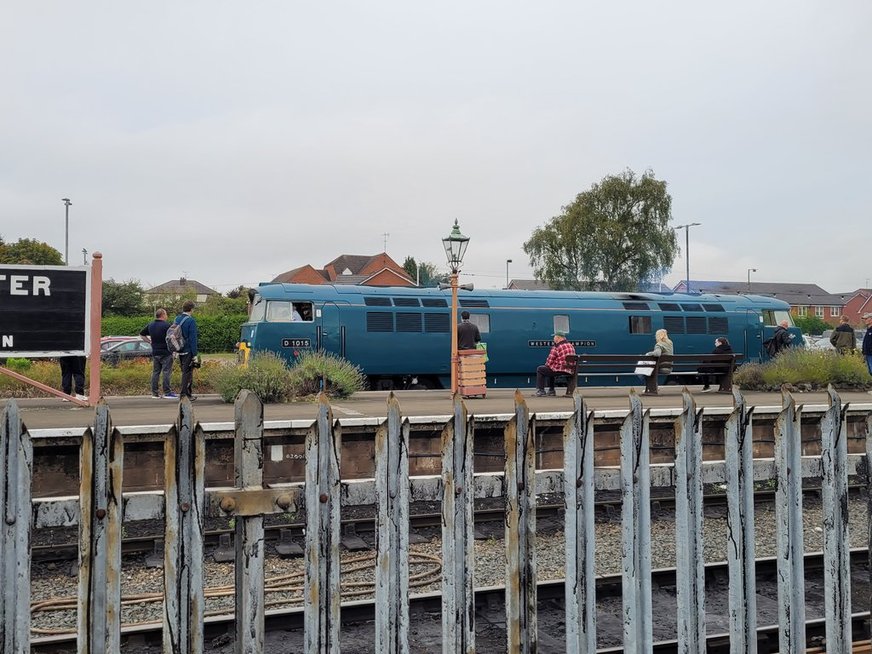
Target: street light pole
{"type": "Point", "coordinates": [686, 229]}
{"type": "Point", "coordinates": [508, 261]}
{"type": "Point", "coordinates": [455, 247]}
{"type": "Point", "coordinates": [67, 204]}
{"type": "Point", "coordinates": [750, 270]}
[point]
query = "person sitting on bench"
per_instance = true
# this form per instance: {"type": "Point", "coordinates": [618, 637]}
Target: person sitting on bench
{"type": "Point", "coordinates": [712, 373]}
{"type": "Point", "coordinates": [555, 364]}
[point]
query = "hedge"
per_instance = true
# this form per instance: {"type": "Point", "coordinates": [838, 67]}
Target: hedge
{"type": "Point", "coordinates": [216, 333]}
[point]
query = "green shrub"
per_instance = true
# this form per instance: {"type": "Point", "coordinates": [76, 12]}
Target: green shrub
{"type": "Point", "coordinates": [266, 375]}
{"type": "Point", "coordinates": [814, 369]}
{"type": "Point", "coordinates": [18, 365]}
{"type": "Point", "coordinates": [316, 371]}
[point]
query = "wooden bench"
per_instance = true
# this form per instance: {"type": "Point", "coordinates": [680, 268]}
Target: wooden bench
{"type": "Point", "coordinates": [608, 365]}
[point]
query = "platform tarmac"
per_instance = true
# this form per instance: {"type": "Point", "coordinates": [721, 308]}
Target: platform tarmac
{"type": "Point", "coordinates": [46, 413]}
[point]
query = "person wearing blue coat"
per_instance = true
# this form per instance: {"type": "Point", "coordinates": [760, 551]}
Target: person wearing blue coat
{"type": "Point", "coordinates": [189, 358]}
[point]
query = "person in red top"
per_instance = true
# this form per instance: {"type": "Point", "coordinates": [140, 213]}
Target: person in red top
{"type": "Point", "coordinates": [555, 364]}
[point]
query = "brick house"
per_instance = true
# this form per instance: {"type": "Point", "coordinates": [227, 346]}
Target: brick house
{"type": "Point", "coordinates": [804, 299]}
{"type": "Point", "coordinates": [856, 304]}
{"type": "Point", "coordinates": [360, 270]}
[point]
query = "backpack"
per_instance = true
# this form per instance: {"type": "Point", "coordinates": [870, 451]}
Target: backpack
{"type": "Point", "coordinates": [175, 338]}
{"type": "Point", "coordinates": [769, 344]}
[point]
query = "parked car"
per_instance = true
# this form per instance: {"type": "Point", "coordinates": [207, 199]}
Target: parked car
{"type": "Point", "coordinates": [131, 348]}
{"type": "Point", "coordinates": [108, 341]}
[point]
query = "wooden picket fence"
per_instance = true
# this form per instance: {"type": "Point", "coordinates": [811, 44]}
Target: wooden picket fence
{"type": "Point", "coordinates": [185, 502]}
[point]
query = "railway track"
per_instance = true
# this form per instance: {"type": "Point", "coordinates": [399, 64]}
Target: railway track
{"type": "Point", "coordinates": [357, 616]}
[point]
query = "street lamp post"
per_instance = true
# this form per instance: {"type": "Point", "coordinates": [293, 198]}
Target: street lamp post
{"type": "Point", "coordinates": [455, 247]}
{"type": "Point", "coordinates": [750, 270]}
{"type": "Point", "coordinates": [84, 257]}
{"type": "Point", "coordinates": [508, 261]}
{"type": "Point", "coordinates": [686, 229]}
{"type": "Point", "coordinates": [67, 204]}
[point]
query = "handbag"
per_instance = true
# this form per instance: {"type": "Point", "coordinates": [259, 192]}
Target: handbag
{"type": "Point", "coordinates": [483, 347]}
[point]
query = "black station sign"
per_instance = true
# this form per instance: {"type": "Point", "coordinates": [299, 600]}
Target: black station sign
{"type": "Point", "coordinates": [296, 342]}
{"type": "Point", "coordinates": [44, 311]}
{"type": "Point", "coordinates": [550, 342]}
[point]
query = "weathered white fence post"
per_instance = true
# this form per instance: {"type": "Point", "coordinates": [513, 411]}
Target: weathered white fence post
{"type": "Point", "coordinates": [636, 528]}
{"type": "Point", "coordinates": [101, 462]}
{"type": "Point", "coordinates": [322, 599]}
{"type": "Point", "coordinates": [458, 555]}
{"type": "Point", "coordinates": [578, 495]}
{"type": "Point", "coordinates": [520, 492]}
{"type": "Point", "coordinates": [789, 537]}
{"type": "Point", "coordinates": [16, 472]}
{"type": "Point", "coordinates": [392, 533]}
{"type": "Point", "coordinates": [184, 493]}
{"type": "Point", "coordinates": [837, 556]}
{"type": "Point", "coordinates": [689, 556]}
{"type": "Point", "coordinates": [739, 449]}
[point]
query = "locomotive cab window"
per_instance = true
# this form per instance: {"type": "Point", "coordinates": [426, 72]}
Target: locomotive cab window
{"type": "Point", "coordinates": [281, 311]}
{"type": "Point", "coordinates": [561, 324]}
{"type": "Point", "coordinates": [771, 318]}
{"type": "Point", "coordinates": [257, 309]}
{"type": "Point", "coordinates": [480, 320]}
{"type": "Point", "coordinates": [640, 324]}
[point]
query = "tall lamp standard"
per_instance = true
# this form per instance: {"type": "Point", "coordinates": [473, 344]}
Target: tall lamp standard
{"type": "Point", "coordinates": [686, 229]}
{"type": "Point", "coordinates": [508, 261]}
{"type": "Point", "coordinates": [750, 270]}
{"type": "Point", "coordinates": [455, 247]}
{"type": "Point", "coordinates": [67, 204]}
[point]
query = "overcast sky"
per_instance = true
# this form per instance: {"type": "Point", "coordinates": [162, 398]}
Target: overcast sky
{"type": "Point", "coordinates": [231, 141]}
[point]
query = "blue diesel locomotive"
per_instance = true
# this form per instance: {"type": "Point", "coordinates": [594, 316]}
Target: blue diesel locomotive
{"type": "Point", "coordinates": [400, 337]}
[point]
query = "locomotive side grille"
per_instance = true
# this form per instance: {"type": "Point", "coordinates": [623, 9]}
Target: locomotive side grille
{"type": "Point", "coordinates": [673, 324]}
{"type": "Point", "coordinates": [473, 303]}
{"type": "Point", "coordinates": [712, 307]}
{"type": "Point", "coordinates": [379, 321]}
{"type": "Point", "coordinates": [434, 302]}
{"type": "Point", "coordinates": [406, 302]}
{"type": "Point", "coordinates": [408, 322]}
{"type": "Point", "coordinates": [668, 306]}
{"type": "Point", "coordinates": [377, 301]}
{"type": "Point", "coordinates": [436, 322]}
{"type": "Point", "coordinates": [696, 325]}
{"type": "Point", "coordinates": [636, 306]}
{"type": "Point", "coordinates": [717, 326]}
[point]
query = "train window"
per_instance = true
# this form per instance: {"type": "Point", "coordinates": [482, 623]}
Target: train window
{"type": "Point", "coordinates": [561, 324]}
{"type": "Point", "coordinates": [712, 307]}
{"type": "Point", "coordinates": [673, 324]}
{"type": "Point", "coordinates": [480, 320]}
{"type": "Point", "coordinates": [437, 322]}
{"type": "Point", "coordinates": [304, 310]}
{"type": "Point", "coordinates": [408, 322]}
{"type": "Point", "coordinates": [281, 311]}
{"type": "Point", "coordinates": [406, 302]}
{"type": "Point", "coordinates": [379, 321]}
{"type": "Point", "coordinates": [696, 325]}
{"type": "Point", "coordinates": [473, 303]}
{"type": "Point", "coordinates": [636, 306]}
{"type": "Point", "coordinates": [640, 324]}
{"type": "Point", "coordinates": [691, 307]}
{"type": "Point", "coordinates": [377, 301]}
{"type": "Point", "coordinates": [258, 309]}
{"type": "Point", "coordinates": [434, 302]}
{"type": "Point", "coordinates": [718, 326]}
{"type": "Point", "coordinates": [772, 317]}
{"type": "Point", "coordinates": [668, 306]}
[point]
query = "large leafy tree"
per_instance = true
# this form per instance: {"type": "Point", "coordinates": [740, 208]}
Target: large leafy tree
{"type": "Point", "coordinates": [430, 275]}
{"type": "Point", "coordinates": [122, 298]}
{"type": "Point", "coordinates": [615, 236]}
{"type": "Point", "coordinates": [30, 251]}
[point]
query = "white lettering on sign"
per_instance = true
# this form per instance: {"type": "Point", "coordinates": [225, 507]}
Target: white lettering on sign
{"type": "Point", "coordinates": [18, 285]}
{"type": "Point", "coordinates": [7, 340]}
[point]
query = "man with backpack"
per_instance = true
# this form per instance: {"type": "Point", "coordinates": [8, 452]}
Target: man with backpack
{"type": "Point", "coordinates": [182, 340]}
{"type": "Point", "coordinates": [780, 341]}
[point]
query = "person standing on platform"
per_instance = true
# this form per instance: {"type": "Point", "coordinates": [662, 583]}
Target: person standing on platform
{"type": "Point", "coordinates": [468, 335]}
{"type": "Point", "coordinates": [155, 333]}
{"type": "Point", "coordinates": [867, 341]}
{"type": "Point", "coordinates": [73, 369]}
{"type": "Point", "coordinates": [189, 357]}
{"type": "Point", "coordinates": [843, 338]}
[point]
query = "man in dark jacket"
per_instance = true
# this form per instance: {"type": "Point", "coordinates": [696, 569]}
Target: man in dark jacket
{"type": "Point", "coordinates": [843, 338]}
{"type": "Point", "coordinates": [722, 346]}
{"type": "Point", "coordinates": [781, 338]}
{"type": "Point", "coordinates": [188, 356]}
{"type": "Point", "coordinates": [467, 333]}
{"type": "Point", "coordinates": [867, 341]}
{"type": "Point", "coordinates": [155, 333]}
